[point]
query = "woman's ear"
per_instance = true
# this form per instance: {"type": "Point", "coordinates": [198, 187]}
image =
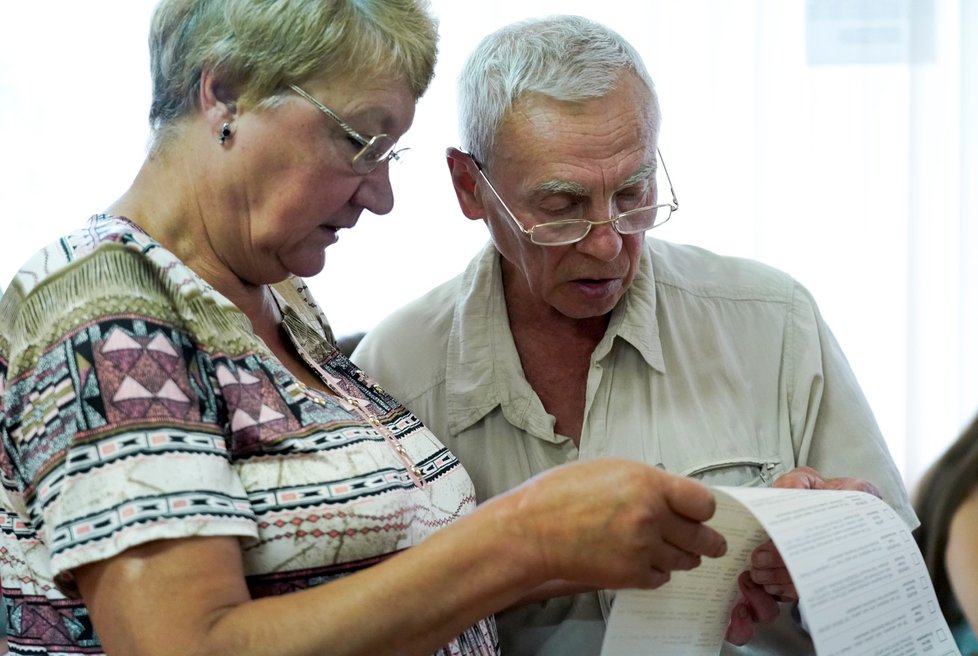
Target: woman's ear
{"type": "Point", "coordinates": [465, 174]}
{"type": "Point", "coordinates": [217, 101]}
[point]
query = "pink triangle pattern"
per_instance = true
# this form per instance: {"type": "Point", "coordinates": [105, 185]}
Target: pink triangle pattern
{"type": "Point", "coordinates": [258, 413]}
{"type": "Point", "coordinates": [143, 378]}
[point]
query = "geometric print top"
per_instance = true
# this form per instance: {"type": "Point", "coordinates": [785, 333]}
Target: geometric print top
{"type": "Point", "coordinates": [136, 404]}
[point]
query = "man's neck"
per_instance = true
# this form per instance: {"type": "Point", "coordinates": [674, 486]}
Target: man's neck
{"type": "Point", "coordinates": [555, 354]}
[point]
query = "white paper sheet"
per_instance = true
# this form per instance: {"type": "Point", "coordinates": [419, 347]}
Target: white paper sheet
{"type": "Point", "coordinates": [863, 586]}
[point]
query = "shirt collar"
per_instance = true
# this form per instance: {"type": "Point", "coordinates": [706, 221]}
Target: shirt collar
{"type": "Point", "coordinates": [634, 319]}
{"type": "Point", "coordinates": [483, 369]}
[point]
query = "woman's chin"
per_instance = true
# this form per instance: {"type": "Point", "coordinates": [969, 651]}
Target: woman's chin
{"type": "Point", "coordinates": [308, 264]}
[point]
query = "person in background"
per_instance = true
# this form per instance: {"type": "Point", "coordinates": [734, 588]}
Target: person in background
{"type": "Point", "coordinates": [189, 466]}
{"type": "Point", "coordinates": [572, 336]}
{"type": "Point", "coordinates": [946, 500]}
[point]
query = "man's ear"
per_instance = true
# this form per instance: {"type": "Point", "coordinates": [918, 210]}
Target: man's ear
{"type": "Point", "coordinates": [465, 173]}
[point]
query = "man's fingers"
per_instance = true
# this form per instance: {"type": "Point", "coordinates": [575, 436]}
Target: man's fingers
{"type": "Point", "coordinates": [769, 571]}
{"type": "Point", "coordinates": [806, 478]}
{"type": "Point", "coordinates": [856, 484]}
{"type": "Point", "coordinates": [753, 606]}
{"type": "Point", "coordinates": [766, 556]}
{"type": "Point", "coordinates": [740, 629]}
{"type": "Point", "coordinates": [763, 607]}
{"type": "Point", "coordinates": [802, 478]}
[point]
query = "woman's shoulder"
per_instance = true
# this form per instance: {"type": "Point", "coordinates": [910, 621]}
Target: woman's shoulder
{"type": "Point", "coordinates": [90, 245]}
{"type": "Point", "coordinates": [105, 271]}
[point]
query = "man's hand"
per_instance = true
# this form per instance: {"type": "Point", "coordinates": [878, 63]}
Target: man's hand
{"type": "Point", "coordinates": [753, 606]}
{"type": "Point", "coordinates": [768, 581]}
{"type": "Point", "coordinates": [806, 478]}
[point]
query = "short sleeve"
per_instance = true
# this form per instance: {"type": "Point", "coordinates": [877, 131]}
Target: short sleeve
{"type": "Point", "coordinates": [115, 434]}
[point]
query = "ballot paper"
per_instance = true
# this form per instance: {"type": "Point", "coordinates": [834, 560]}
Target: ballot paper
{"type": "Point", "coordinates": [863, 587]}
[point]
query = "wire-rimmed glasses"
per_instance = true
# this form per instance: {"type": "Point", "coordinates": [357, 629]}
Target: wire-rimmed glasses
{"type": "Point", "coordinates": [373, 152]}
{"type": "Point", "coordinates": [569, 231]}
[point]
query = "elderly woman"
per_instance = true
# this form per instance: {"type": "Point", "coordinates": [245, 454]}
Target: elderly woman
{"type": "Point", "coordinates": [189, 465]}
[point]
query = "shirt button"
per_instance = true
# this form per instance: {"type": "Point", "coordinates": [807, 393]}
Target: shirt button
{"type": "Point", "coordinates": [416, 471]}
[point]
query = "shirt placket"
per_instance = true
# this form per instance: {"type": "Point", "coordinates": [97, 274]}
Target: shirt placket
{"type": "Point", "coordinates": [358, 406]}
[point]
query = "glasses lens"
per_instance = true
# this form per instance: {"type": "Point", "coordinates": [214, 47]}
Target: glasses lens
{"type": "Point", "coordinates": [375, 153]}
{"type": "Point", "coordinates": [643, 219]}
{"type": "Point", "coordinates": [662, 214]}
{"type": "Point", "coordinates": [559, 232]}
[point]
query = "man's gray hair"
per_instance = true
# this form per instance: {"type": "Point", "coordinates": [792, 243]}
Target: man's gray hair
{"type": "Point", "coordinates": [567, 58]}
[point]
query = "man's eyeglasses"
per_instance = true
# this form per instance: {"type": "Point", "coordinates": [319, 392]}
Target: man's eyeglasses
{"type": "Point", "coordinates": [569, 231]}
{"type": "Point", "coordinates": [373, 152]}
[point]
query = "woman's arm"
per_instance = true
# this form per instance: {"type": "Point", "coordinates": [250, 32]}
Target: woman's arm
{"type": "Point", "coordinates": [601, 523]}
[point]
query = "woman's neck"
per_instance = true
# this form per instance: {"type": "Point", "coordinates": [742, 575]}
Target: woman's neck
{"type": "Point", "coordinates": [172, 206]}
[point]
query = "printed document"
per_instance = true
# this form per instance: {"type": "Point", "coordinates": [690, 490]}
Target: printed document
{"type": "Point", "coordinates": [863, 587]}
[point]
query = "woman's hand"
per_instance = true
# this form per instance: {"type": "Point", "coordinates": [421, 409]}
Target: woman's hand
{"type": "Point", "coordinates": [600, 523]}
{"type": "Point", "coordinates": [613, 523]}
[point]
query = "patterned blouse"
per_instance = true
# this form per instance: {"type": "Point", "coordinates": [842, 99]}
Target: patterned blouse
{"type": "Point", "coordinates": [137, 404]}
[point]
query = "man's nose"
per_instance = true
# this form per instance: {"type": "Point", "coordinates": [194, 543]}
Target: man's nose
{"type": "Point", "coordinates": [602, 242]}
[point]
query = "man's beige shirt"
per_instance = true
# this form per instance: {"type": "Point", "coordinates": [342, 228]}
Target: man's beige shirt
{"type": "Point", "coordinates": [713, 367]}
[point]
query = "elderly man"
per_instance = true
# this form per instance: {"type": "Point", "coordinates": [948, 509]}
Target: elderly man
{"type": "Point", "coordinates": [572, 335]}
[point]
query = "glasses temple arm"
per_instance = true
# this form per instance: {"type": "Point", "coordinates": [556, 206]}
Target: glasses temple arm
{"type": "Point", "coordinates": [672, 189]}
{"type": "Point", "coordinates": [330, 113]}
{"type": "Point", "coordinates": [495, 193]}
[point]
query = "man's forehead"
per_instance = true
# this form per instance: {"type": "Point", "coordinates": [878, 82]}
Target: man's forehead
{"type": "Point", "coordinates": [575, 187]}
{"type": "Point", "coordinates": [574, 146]}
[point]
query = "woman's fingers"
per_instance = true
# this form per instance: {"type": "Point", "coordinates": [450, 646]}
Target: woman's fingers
{"type": "Point", "coordinates": [644, 522]}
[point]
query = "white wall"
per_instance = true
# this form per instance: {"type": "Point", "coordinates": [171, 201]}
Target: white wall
{"type": "Point", "coordinates": [848, 176]}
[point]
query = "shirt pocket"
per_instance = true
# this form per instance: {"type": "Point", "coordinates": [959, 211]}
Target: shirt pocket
{"type": "Point", "coordinates": [736, 471]}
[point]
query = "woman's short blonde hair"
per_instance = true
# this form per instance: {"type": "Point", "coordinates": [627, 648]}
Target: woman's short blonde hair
{"type": "Point", "coordinates": [259, 47]}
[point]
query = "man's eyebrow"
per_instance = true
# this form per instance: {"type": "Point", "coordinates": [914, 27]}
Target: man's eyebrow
{"type": "Point", "coordinates": [643, 174]}
{"type": "Point", "coordinates": [576, 189]}
{"type": "Point", "coordinates": [560, 187]}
